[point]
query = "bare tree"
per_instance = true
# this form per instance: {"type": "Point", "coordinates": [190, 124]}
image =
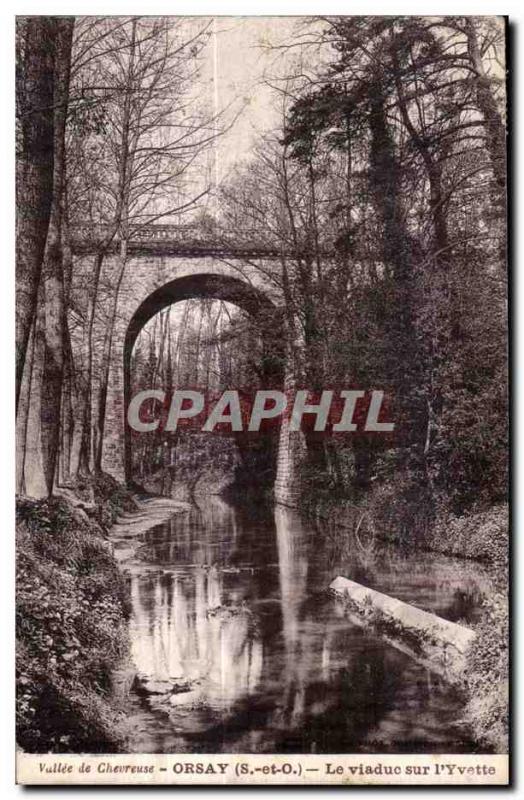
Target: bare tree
{"type": "Point", "coordinates": [149, 136]}
{"type": "Point", "coordinates": [34, 176]}
{"type": "Point", "coordinates": [39, 413]}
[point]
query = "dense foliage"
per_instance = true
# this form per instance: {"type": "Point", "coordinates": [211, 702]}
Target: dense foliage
{"type": "Point", "coordinates": [486, 676]}
{"type": "Point", "coordinates": [71, 630]}
{"type": "Point", "coordinates": [385, 191]}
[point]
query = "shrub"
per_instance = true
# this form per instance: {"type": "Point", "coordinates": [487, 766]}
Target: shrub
{"type": "Point", "coordinates": [486, 676]}
{"type": "Point", "coordinates": [72, 605]}
{"type": "Point", "coordinates": [482, 535]}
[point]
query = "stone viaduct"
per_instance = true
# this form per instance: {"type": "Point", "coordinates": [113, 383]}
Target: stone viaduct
{"type": "Point", "coordinates": [167, 264]}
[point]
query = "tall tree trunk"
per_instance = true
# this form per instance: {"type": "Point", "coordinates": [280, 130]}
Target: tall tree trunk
{"type": "Point", "coordinates": [67, 423]}
{"type": "Point", "coordinates": [68, 382]}
{"type": "Point", "coordinates": [34, 170]}
{"type": "Point", "coordinates": [52, 268]}
{"type": "Point", "coordinates": [122, 228]}
{"type": "Point", "coordinates": [85, 410]}
{"type": "Point", "coordinates": [398, 256]}
{"type": "Point", "coordinates": [100, 411]}
{"type": "Point", "coordinates": [443, 324]}
{"type": "Point", "coordinates": [40, 382]}
{"type": "Point", "coordinates": [385, 185]}
{"type": "Point", "coordinates": [30, 480]}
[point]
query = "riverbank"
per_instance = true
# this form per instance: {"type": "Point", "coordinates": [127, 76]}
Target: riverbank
{"type": "Point", "coordinates": [72, 613]}
{"type": "Point", "coordinates": [484, 537]}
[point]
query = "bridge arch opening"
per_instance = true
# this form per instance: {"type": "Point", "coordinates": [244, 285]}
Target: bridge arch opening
{"type": "Point", "coordinates": [265, 316]}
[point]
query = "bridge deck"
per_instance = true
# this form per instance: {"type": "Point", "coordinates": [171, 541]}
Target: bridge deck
{"type": "Point", "coordinates": [173, 240]}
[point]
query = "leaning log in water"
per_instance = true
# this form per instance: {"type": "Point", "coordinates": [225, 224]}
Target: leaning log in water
{"type": "Point", "coordinates": [434, 641]}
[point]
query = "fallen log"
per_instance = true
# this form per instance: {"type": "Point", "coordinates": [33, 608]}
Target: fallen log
{"type": "Point", "coordinates": [433, 641]}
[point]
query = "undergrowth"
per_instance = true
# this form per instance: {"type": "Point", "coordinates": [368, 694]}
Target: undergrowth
{"type": "Point", "coordinates": [71, 618]}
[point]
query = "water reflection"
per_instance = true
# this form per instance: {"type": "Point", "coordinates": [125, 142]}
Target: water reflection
{"type": "Point", "coordinates": [238, 648]}
{"type": "Point", "coordinates": [190, 629]}
{"type": "Point", "coordinates": [292, 543]}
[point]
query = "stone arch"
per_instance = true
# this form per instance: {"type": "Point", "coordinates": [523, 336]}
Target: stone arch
{"type": "Point", "coordinates": [206, 285]}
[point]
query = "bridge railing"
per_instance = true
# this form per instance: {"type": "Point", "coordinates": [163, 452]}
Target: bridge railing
{"type": "Point", "coordinates": [161, 232]}
{"type": "Point", "coordinates": [86, 238]}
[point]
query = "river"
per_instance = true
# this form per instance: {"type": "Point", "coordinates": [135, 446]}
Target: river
{"type": "Point", "coordinates": [239, 647]}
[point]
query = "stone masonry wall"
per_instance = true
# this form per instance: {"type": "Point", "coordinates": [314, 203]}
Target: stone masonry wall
{"type": "Point", "coordinates": [142, 276]}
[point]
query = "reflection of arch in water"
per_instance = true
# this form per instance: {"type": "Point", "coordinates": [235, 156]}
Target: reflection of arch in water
{"type": "Point", "coordinates": [216, 287]}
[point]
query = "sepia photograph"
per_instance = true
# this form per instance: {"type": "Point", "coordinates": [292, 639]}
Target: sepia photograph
{"type": "Point", "coordinates": [262, 530]}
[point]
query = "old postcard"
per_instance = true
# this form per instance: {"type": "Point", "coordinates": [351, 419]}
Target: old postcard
{"type": "Point", "coordinates": [262, 400]}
